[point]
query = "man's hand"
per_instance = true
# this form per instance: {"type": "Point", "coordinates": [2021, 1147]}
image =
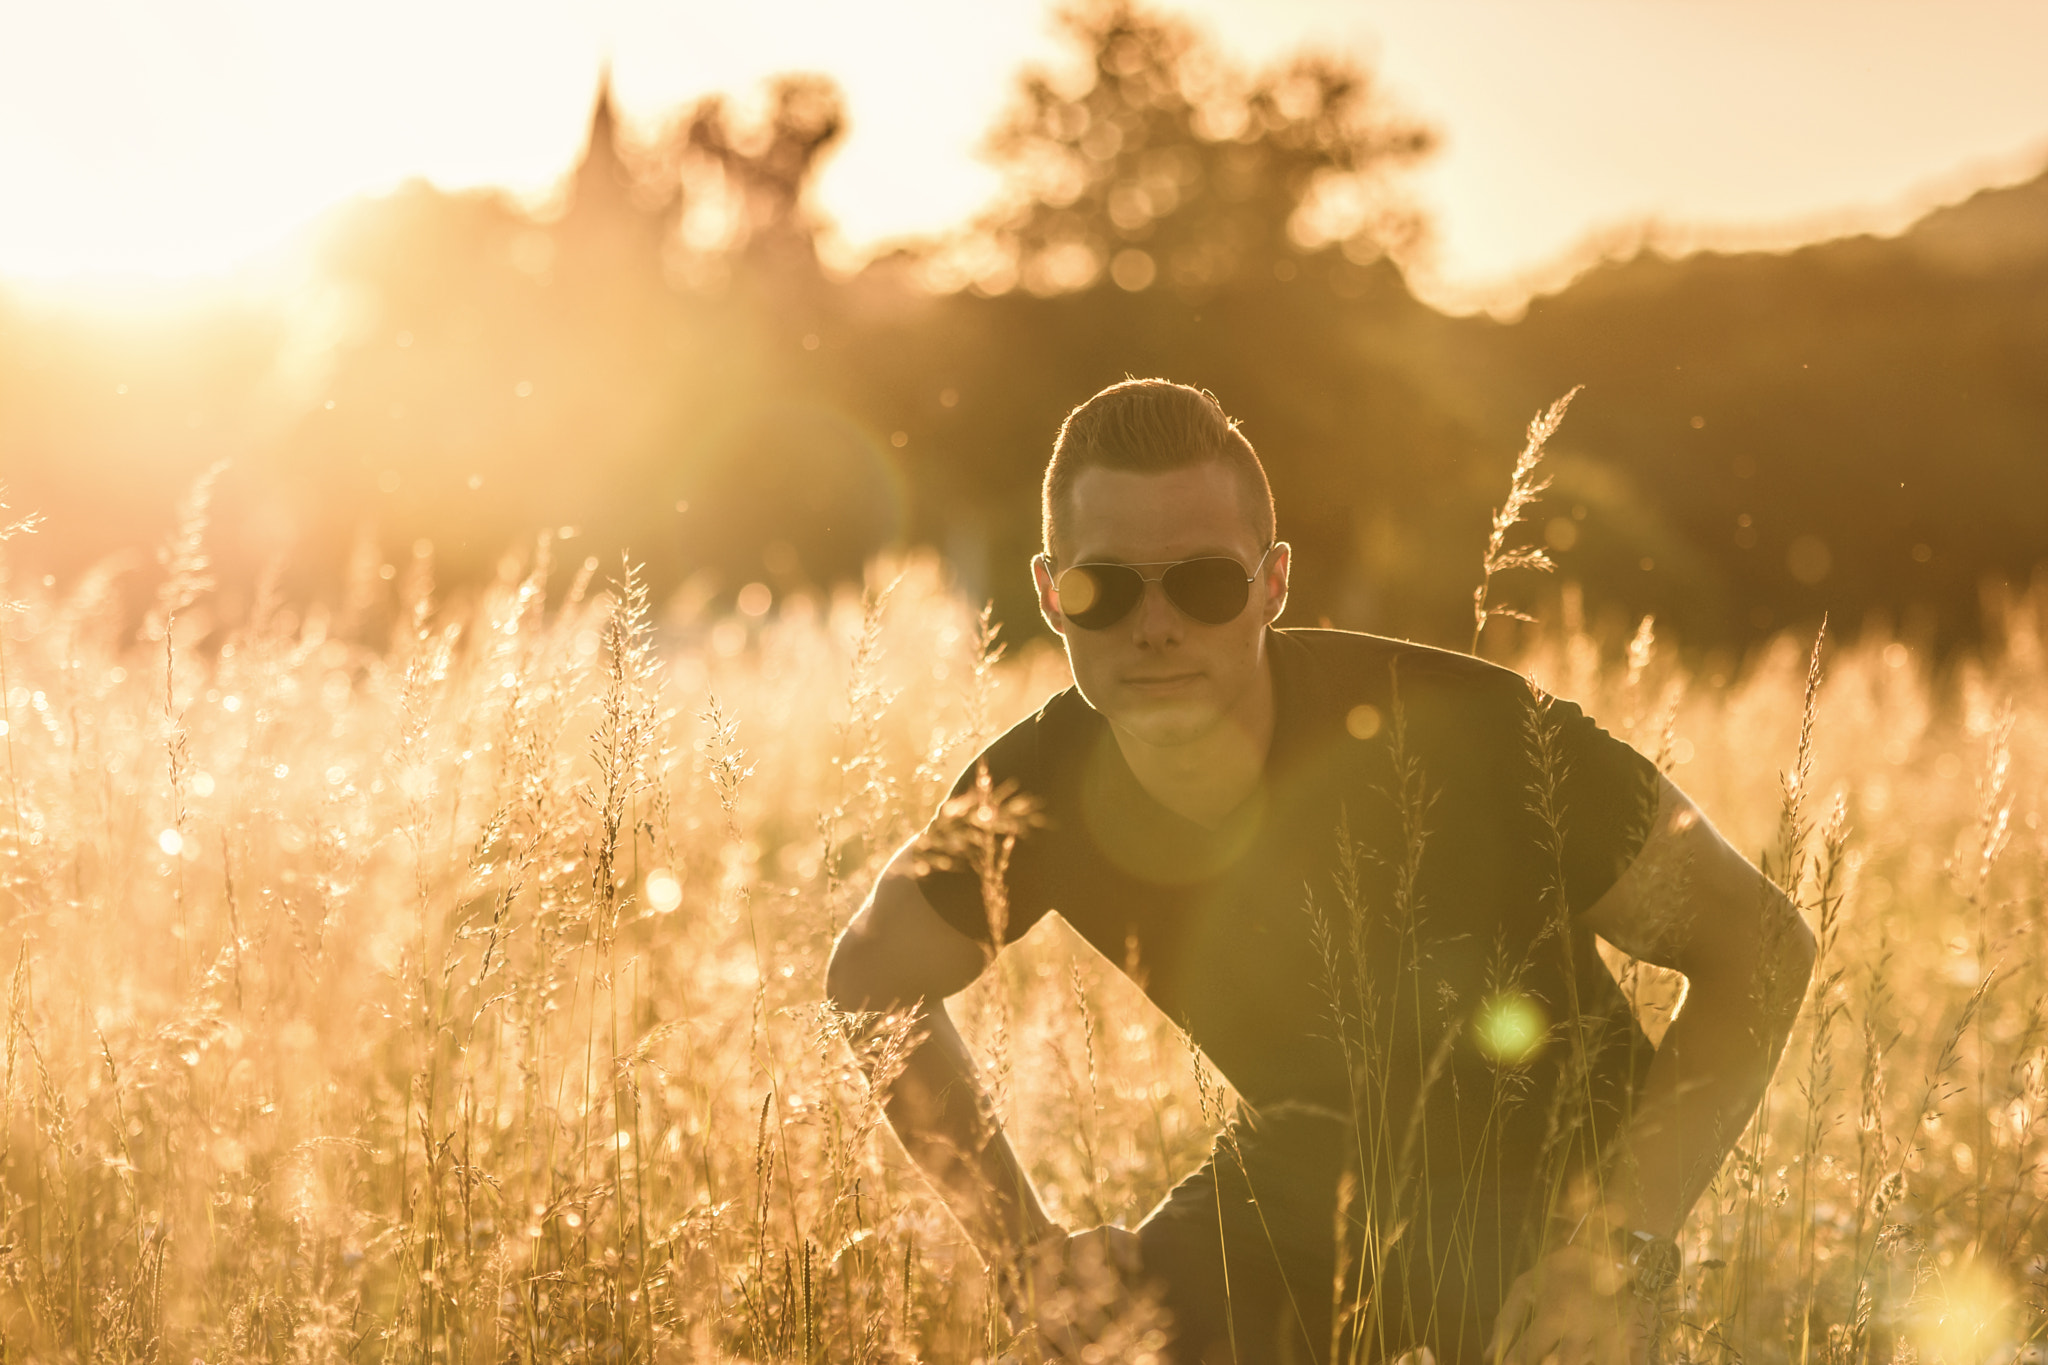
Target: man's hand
{"type": "Point", "coordinates": [1072, 1289]}
{"type": "Point", "coordinates": [1574, 1306]}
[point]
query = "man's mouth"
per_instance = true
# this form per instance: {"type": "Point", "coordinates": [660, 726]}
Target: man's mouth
{"type": "Point", "coordinates": [1162, 679]}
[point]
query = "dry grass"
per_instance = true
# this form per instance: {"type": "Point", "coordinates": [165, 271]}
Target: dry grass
{"type": "Point", "coordinates": [451, 990]}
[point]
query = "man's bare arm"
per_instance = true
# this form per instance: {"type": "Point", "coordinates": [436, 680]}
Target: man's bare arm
{"type": "Point", "coordinates": [1691, 903]}
{"type": "Point", "coordinates": [899, 958]}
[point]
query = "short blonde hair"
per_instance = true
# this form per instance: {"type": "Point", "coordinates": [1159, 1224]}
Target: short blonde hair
{"type": "Point", "coordinates": [1150, 426]}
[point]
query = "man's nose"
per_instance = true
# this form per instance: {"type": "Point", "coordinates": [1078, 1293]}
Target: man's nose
{"type": "Point", "coordinates": [1155, 620]}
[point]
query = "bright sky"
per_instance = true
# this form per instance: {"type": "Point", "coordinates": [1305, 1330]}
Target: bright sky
{"type": "Point", "coordinates": [171, 137]}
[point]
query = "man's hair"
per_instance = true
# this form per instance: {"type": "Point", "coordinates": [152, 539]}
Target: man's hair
{"type": "Point", "coordinates": [1151, 426]}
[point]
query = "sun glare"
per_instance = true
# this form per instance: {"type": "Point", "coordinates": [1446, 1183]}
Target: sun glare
{"type": "Point", "coordinates": [135, 142]}
{"type": "Point", "coordinates": [169, 142]}
{"type": "Point", "coordinates": [178, 141]}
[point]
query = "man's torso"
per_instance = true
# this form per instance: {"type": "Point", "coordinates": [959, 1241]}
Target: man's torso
{"type": "Point", "coordinates": [1377, 948]}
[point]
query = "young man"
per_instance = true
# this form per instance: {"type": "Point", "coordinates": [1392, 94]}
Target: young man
{"type": "Point", "coordinates": [1365, 876]}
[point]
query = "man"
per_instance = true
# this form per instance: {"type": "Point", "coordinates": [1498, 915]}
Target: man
{"type": "Point", "coordinates": [1365, 876]}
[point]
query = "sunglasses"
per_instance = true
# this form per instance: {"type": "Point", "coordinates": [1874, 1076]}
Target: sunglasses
{"type": "Point", "coordinates": [1212, 589]}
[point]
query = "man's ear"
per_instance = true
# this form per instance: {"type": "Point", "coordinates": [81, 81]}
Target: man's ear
{"type": "Point", "coordinates": [1048, 604]}
{"type": "Point", "coordinates": [1275, 579]}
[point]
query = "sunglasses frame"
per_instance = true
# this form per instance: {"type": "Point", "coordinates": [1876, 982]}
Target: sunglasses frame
{"type": "Point", "coordinates": [1165, 566]}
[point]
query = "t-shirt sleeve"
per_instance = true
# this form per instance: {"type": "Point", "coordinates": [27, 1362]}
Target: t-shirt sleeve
{"type": "Point", "coordinates": [962, 849]}
{"type": "Point", "coordinates": [1602, 791]}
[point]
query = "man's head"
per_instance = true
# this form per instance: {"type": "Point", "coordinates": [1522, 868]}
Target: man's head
{"type": "Point", "coordinates": [1150, 473]}
{"type": "Point", "coordinates": [1148, 426]}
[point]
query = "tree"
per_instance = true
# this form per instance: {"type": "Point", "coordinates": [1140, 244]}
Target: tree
{"type": "Point", "coordinates": [1172, 165]}
{"type": "Point", "coordinates": [763, 174]}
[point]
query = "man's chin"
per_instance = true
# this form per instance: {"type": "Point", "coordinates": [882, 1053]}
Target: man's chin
{"type": "Point", "coordinates": [1164, 722]}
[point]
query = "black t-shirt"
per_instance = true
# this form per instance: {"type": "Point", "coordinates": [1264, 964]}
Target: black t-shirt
{"type": "Point", "coordinates": [1376, 933]}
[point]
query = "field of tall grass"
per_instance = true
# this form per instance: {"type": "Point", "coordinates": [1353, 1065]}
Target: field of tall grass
{"type": "Point", "coordinates": [433, 979]}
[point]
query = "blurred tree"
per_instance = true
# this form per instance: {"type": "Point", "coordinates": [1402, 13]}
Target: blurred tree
{"type": "Point", "coordinates": [623, 205]}
{"type": "Point", "coordinates": [1171, 164]}
{"type": "Point", "coordinates": [763, 172]}
{"type": "Point", "coordinates": [1855, 426]}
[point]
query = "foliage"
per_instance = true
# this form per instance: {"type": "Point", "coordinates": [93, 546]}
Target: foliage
{"type": "Point", "coordinates": [1170, 164]}
{"type": "Point", "coordinates": [765, 172]}
{"type": "Point", "coordinates": [452, 990]}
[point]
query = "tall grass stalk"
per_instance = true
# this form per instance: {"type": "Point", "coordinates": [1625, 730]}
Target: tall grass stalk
{"type": "Point", "coordinates": [450, 1073]}
{"type": "Point", "coordinates": [1525, 486]}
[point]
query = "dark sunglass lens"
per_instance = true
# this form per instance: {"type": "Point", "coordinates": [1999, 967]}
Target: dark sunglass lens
{"type": "Point", "coordinates": [1093, 596]}
{"type": "Point", "coordinates": [1212, 591]}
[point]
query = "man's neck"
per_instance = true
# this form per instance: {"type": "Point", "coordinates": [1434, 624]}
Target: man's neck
{"type": "Point", "coordinates": [1210, 776]}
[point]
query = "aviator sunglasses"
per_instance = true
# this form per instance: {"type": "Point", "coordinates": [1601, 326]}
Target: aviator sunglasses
{"type": "Point", "coordinates": [1212, 589]}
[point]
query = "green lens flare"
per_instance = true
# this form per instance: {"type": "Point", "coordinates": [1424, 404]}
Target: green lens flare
{"type": "Point", "coordinates": [1511, 1027]}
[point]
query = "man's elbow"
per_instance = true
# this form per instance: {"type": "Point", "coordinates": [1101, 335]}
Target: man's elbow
{"type": "Point", "coordinates": [849, 979]}
{"type": "Point", "coordinates": [1804, 951]}
{"type": "Point", "coordinates": [1789, 952]}
{"type": "Point", "coordinates": [1756, 960]}
{"type": "Point", "coordinates": [863, 976]}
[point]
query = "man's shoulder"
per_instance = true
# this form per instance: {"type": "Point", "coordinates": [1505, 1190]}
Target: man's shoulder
{"type": "Point", "coordinates": [1022, 753]}
{"type": "Point", "coordinates": [1349, 662]}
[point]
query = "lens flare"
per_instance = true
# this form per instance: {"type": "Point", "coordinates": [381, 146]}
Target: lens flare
{"type": "Point", "coordinates": [664, 890]}
{"type": "Point", "coordinates": [1511, 1027]}
{"type": "Point", "coordinates": [1968, 1318]}
{"type": "Point", "coordinates": [1077, 593]}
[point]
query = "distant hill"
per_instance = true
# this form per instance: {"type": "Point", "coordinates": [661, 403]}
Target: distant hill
{"type": "Point", "coordinates": [1877, 408]}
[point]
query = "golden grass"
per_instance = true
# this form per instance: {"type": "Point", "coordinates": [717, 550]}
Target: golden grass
{"type": "Point", "coordinates": [450, 991]}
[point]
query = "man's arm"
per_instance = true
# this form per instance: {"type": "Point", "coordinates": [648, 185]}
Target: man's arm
{"type": "Point", "coordinates": [899, 959]}
{"type": "Point", "coordinates": [1691, 903]}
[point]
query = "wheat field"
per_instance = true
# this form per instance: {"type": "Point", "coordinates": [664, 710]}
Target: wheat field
{"type": "Point", "coordinates": [428, 979]}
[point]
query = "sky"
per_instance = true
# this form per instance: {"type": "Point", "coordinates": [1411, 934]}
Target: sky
{"type": "Point", "coordinates": [160, 139]}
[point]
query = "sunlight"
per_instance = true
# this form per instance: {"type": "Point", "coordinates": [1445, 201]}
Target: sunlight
{"type": "Point", "coordinates": [140, 140]}
{"type": "Point", "coordinates": [135, 141]}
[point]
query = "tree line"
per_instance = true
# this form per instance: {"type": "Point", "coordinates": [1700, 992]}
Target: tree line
{"type": "Point", "coordinates": [665, 366]}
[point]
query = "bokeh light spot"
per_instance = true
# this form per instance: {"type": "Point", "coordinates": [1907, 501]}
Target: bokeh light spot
{"type": "Point", "coordinates": [1511, 1027]}
{"type": "Point", "coordinates": [1363, 721]}
{"type": "Point", "coordinates": [664, 890]}
{"type": "Point", "coordinates": [755, 599]}
{"type": "Point", "coordinates": [1968, 1319]}
{"type": "Point", "coordinates": [171, 842]}
{"type": "Point", "coordinates": [1076, 593]}
{"type": "Point", "coordinates": [1808, 560]}
{"type": "Point", "coordinates": [1133, 270]}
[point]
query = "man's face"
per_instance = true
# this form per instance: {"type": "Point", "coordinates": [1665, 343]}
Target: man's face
{"type": "Point", "coordinates": [1158, 674]}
